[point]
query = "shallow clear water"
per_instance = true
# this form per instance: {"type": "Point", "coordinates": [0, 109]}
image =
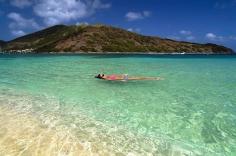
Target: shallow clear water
{"type": "Point", "coordinates": [191, 112]}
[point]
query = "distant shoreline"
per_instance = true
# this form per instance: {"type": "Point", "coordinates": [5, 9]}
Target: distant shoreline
{"type": "Point", "coordinates": [113, 53]}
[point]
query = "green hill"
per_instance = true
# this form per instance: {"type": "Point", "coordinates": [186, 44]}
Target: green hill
{"type": "Point", "coordinates": [2, 43]}
{"type": "Point", "coordinates": [101, 38]}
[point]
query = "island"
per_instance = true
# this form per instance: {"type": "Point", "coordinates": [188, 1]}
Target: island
{"type": "Point", "coordinates": [103, 39]}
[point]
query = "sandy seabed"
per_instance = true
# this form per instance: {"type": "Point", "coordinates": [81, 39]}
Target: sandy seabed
{"type": "Point", "coordinates": [24, 135]}
{"type": "Point", "coordinates": [23, 132]}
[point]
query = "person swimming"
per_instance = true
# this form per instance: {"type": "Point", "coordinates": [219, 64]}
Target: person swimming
{"type": "Point", "coordinates": [108, 77]}
{"type": "Point", "coordinates": [124, 77]}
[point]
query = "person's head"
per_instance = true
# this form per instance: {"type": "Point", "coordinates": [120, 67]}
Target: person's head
{"type": "Point", "coordinates": [99, 76]}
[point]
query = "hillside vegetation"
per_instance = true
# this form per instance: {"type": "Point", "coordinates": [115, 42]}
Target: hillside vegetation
{"type": "Point", "coordinates": [101, 38]}
{"type": "Point", "coordinates": [2, 43]}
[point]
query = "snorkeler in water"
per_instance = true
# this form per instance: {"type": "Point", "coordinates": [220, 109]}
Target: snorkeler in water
{"type": "Point", "coordinates": [124, 77]}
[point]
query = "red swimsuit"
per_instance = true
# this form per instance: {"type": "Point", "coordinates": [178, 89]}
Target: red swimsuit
{"type": "Point", "coordinates": [111, 77]}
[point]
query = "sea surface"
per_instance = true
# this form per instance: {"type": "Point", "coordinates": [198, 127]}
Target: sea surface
{"type": "Point", "coordinates": [53, 105]}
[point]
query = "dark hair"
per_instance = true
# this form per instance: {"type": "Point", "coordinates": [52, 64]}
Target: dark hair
{"type": "Point", "coordinates": [99, 76]}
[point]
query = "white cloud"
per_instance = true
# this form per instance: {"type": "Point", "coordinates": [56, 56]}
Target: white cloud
{"type": "Point", "coordinates": [18, 32]}
{"type": "Point", "coordinates": [232, 37]}
{"type": "Point", "coordinates": [214, 37]}
{"type": "Point", "coordinates": [185, 32]}
{"type": "Point", "coordinates": [21, 3]}
{"type": "Point", "coordinates": [97, 4]}
{"type": "Point", "coordinates": [211, 36]}
{"type": "Point", "coordinates": [20, 23]}
{"type": "Point", "coordinates": [190, 38]}
{"type": "Point", "coordinates": [134, 29]}
{"type": "Point", "coordinates": [82, 23]}
{"type": "Point", "coordinates": [132, 16]}
{"type": "Point", "coordinates": [130, 29]}
{"type": "Point", "coordinates": [187, 35]}
{"type": "Point", "coordinates": [146, 13]}
{"type": "Point", "coordinates": [56, 12]}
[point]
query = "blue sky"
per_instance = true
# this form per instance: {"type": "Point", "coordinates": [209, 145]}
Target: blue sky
{"type": "Point", "coordinates": [201, 21]}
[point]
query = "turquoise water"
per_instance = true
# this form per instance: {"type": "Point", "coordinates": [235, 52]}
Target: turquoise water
{"type": "Point", "coordinates": [191, 112]}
